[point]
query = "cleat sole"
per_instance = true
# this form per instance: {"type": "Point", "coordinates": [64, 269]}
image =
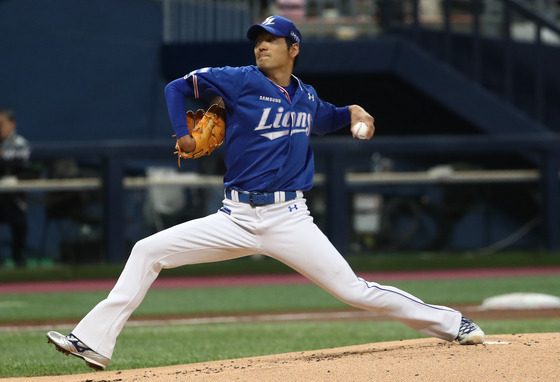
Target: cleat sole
{"type": "Point", "coordinates": [67, 353]}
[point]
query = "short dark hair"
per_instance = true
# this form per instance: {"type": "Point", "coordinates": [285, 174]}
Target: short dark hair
{"type": "Point", "coordinates": [290, 42]}
{"type": "Point", "coordinates": [8, 113]}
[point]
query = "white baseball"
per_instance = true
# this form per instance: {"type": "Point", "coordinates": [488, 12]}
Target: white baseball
{"type": "Point", "coordinates": [360, 130]}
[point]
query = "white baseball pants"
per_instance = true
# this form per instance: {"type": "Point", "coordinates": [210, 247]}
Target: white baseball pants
{"type": "Point", "coordinates": [284, 231]}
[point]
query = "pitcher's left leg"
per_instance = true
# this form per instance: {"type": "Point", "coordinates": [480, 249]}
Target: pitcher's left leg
{"type": "Point", "coordinates": [296, 241]}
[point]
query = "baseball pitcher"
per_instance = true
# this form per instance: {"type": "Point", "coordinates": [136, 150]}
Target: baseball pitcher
{"type": "Point", "coordinates": [269, 116]}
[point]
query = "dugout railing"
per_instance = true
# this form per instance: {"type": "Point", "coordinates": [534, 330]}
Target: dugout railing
{"type": "Point", "coordinates": [544, 149]}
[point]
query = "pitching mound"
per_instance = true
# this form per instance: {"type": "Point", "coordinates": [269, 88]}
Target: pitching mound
{"type": "Point", "coordinates": [517, 357]}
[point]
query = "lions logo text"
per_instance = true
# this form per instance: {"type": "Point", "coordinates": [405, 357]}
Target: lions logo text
{"type": "Point", "coordinates": [278, 124]}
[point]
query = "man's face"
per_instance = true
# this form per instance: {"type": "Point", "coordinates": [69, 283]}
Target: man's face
{"type": "Point", "coordinates": [271, 52]}
{"type": "Point", "coordinates": [6, 126]}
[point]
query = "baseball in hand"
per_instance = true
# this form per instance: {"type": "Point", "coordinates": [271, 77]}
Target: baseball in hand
{"type": "Point", "coordinates": [360, 130]}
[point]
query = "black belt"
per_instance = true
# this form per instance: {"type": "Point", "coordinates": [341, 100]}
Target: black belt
{"type": "Point", "coordinates": [261, 198]}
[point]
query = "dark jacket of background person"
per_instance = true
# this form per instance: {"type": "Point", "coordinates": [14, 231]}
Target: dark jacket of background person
{"type": "Point", "coordinates": [14, 162]}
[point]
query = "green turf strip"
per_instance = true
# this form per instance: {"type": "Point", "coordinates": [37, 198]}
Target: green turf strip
{"type": "Point", "coordinates": [267, 298]}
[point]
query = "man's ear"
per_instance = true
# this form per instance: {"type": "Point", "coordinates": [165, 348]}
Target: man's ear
{"type": "Point", "coordinates": [294, 50]}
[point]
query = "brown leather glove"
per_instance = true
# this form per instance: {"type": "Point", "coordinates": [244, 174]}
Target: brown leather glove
{"type": "Point", "coordinates": [208, 130]}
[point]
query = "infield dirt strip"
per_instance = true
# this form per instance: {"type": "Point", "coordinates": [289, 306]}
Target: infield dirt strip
{"type": "Point", "coordinates": [517, 357]}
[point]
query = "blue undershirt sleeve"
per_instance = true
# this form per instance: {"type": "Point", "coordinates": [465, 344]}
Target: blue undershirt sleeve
{"type": "Point", "coordinates": [341, 116]}
{"type": "Point", "coordinates": [176, 92]}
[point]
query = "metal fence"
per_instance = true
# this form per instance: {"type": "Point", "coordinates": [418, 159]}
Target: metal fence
{"type": "Point", "coordinates": [114, 154]}
{"type": "Point", "coordinates": [205, 21]}
{"type": "Point", "coordinates": [227, 20]}
{"type": "Point", "coordinates": [506, 21]}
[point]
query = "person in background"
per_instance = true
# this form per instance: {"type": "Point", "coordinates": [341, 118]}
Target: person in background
{"type": "Point", "coordinates": [14, 160]}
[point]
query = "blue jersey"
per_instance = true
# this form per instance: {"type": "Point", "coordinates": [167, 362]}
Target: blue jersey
{"type": "Point", "coordinates": [267, 134]}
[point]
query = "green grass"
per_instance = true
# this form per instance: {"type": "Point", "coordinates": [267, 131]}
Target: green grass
{"type": "Point", "coordinates": [265, 298]}
{"type": "Point", "coordinates": [25, 353]}
{"type": "Point", "coordinates": [142, 347]}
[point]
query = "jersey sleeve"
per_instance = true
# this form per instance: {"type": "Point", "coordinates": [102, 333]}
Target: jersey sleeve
{"type": "Point", "coordinates": [330, 118]}
{"type": "Point", "coordinates": [225, 82]}
{"type": "Point", "coordinates": [203, 83]}
{"type": "Point", "coordinates": [175, 94]}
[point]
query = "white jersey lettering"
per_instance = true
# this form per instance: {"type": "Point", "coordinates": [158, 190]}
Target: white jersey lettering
{"type": "Point", "coordinates": [299, 122]}
{"type": "Point", "coordinates": [262, 123]}
{"type": "Point", "coordinates": [278, 117]}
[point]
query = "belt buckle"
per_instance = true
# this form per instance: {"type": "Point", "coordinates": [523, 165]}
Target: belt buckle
{"type": "Point", "coordinates": [251, 202]}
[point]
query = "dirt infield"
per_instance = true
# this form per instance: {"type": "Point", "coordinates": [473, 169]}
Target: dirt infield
{"type": "Point", "coordinates": [518, 357]}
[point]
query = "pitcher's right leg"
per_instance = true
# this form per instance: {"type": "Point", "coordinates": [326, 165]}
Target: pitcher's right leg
{"type": "Point", "coordinates": [209, 239]}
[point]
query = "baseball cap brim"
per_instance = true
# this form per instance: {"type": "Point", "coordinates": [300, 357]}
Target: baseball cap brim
{"type": "Point", "coordinates": [254, 30]}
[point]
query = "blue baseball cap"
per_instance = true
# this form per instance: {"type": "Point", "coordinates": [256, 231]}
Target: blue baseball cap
{"type": "Point", "coordinates": [276, 25]}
